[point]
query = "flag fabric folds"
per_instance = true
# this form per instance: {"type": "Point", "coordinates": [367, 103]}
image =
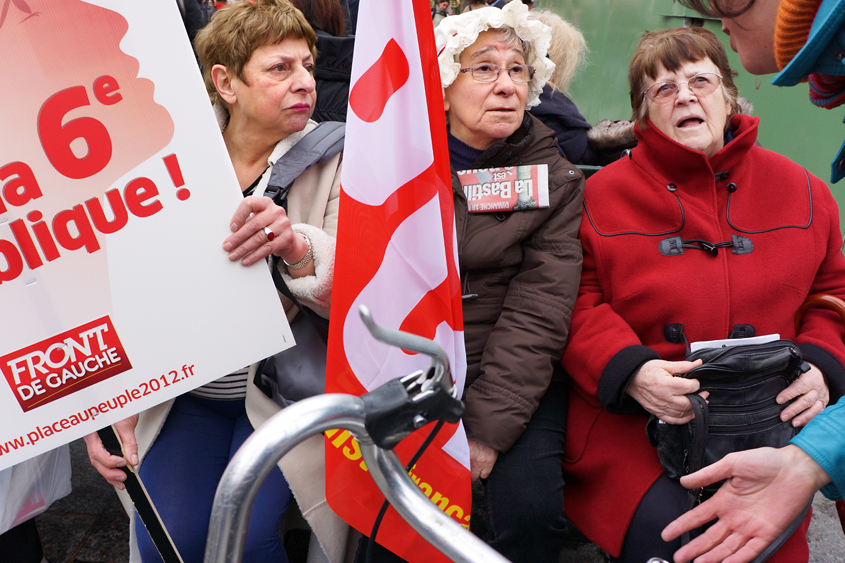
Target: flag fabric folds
{"type": "Point", "coordinates": [396, 254]}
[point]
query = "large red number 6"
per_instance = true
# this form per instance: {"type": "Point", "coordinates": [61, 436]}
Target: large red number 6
{"type": "Point", "coordinates": [57, 138]}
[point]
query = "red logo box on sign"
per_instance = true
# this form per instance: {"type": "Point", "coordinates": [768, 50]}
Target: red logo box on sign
{"type": "Point", "coordinates": [65, 363]}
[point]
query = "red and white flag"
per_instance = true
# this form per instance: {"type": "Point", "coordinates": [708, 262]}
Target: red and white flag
{"type": "Point", "coordinates": [396, 254]}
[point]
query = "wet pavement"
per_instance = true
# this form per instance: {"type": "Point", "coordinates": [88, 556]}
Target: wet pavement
{"type": "Point", "coordinates": [90, 526]}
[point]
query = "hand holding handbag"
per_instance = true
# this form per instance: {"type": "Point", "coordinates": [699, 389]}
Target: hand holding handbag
{"type": "Point", "coordinates": [741, 411]}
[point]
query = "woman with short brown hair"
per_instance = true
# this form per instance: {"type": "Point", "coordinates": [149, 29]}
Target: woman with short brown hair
{"type": "Point", "coordinates": [258, 65]}
{"type": "Point", "coordinates": [697, 235]}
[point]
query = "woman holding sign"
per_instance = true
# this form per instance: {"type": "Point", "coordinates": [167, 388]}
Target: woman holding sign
{"type": "Point", "coordinates": [258, 64]}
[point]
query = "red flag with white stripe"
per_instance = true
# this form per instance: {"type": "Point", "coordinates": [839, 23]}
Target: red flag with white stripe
{"type": "Point", "coordinates": [397, 254]}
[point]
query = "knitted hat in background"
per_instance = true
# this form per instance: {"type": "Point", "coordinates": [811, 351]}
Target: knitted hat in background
{"type": "Point", "coordinates": [794, 20]}
{"type": "Point", "coordinates": [827, 91]}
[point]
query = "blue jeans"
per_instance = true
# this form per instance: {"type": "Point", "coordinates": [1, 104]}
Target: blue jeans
{"type": "Point", "coordinates": [181, 472]}
{"type": "Point", "coordinates": [524, 491]}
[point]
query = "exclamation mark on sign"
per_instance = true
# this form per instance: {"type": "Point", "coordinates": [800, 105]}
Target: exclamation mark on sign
{"type": "Point", "coordinates": [172, 164]}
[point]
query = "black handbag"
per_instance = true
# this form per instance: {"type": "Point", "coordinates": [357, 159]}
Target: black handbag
{"type": "Point", "coordinates": [741, 411]}
{"type": "Point", "coordinates": [300, 371]}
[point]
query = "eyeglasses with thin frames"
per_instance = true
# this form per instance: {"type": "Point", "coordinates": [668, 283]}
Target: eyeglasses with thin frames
{"type": "Point", "coordinates": [701, 84]}
{"type": "Point", "coordinates": [487, 72]}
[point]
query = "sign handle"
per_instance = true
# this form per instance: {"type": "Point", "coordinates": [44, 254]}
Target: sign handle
{"type": "Point", "coordinates": [141, 500]}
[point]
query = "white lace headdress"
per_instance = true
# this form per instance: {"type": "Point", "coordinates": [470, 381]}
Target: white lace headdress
{"type": "Point", "coordinates": [456, 33]}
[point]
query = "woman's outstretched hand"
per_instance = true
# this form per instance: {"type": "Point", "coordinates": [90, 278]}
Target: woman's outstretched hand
{"type": "Point", "coordinates": [765, 490]}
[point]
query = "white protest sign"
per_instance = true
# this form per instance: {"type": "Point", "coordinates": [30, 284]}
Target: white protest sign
{"type": "Point", "coordinates": [116, 192]}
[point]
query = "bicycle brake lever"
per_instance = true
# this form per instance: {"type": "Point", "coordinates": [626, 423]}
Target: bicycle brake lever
{"type": "Point", "coordinates": [413, 343]}
{"type": "Point", "coordinates": [400, 406]}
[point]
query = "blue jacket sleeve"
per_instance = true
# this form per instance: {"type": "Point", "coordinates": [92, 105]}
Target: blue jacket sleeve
{"type": "Point", "coordinates": [823, 439]}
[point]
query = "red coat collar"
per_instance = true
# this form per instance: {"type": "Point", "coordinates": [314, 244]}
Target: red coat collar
{"type": "Point", "coordinates": [675, 162]}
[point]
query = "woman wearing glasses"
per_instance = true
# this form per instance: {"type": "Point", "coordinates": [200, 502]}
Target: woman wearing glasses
{"type": "Point", "coordinates": [519, 275]}
{"type": "Point", "coordinates": [519, 272]}
{"type": "Point", "coordinates": [697, 235]}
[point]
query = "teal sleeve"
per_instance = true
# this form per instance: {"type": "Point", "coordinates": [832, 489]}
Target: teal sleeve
{"type": "Point", "coordinates": [823, 439]}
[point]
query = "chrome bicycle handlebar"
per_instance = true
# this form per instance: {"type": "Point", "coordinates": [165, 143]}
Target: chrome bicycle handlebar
{"type": "Point", "coordinates": [429, 395]}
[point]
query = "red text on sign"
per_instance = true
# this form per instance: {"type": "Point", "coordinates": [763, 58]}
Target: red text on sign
{"type": "Point", "coordinates": [64, 363]}
{"type": "Point", "coordinates": [71, 229]}
{"type": "Point", "coordinates": [57, 137]}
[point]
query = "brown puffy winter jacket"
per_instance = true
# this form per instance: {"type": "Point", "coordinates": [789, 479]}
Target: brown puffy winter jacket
{"type": "Point", "coordinates": [519, 273]}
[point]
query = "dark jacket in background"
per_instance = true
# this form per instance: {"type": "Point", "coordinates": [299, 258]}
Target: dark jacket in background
{"type": "Point", "coordinates": [560, 114]}
{"type": "Point", "coordinates": [352, 20]}
{"type": "Point", "coordinates": [333, 72]}
{"type": "Point", "coordinates": [191, 17]}
{"type": "Point", "coordinates": [207, 10]}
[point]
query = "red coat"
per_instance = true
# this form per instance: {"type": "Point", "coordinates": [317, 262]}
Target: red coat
{"type": "Point", "coordinates": [630, 291]}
